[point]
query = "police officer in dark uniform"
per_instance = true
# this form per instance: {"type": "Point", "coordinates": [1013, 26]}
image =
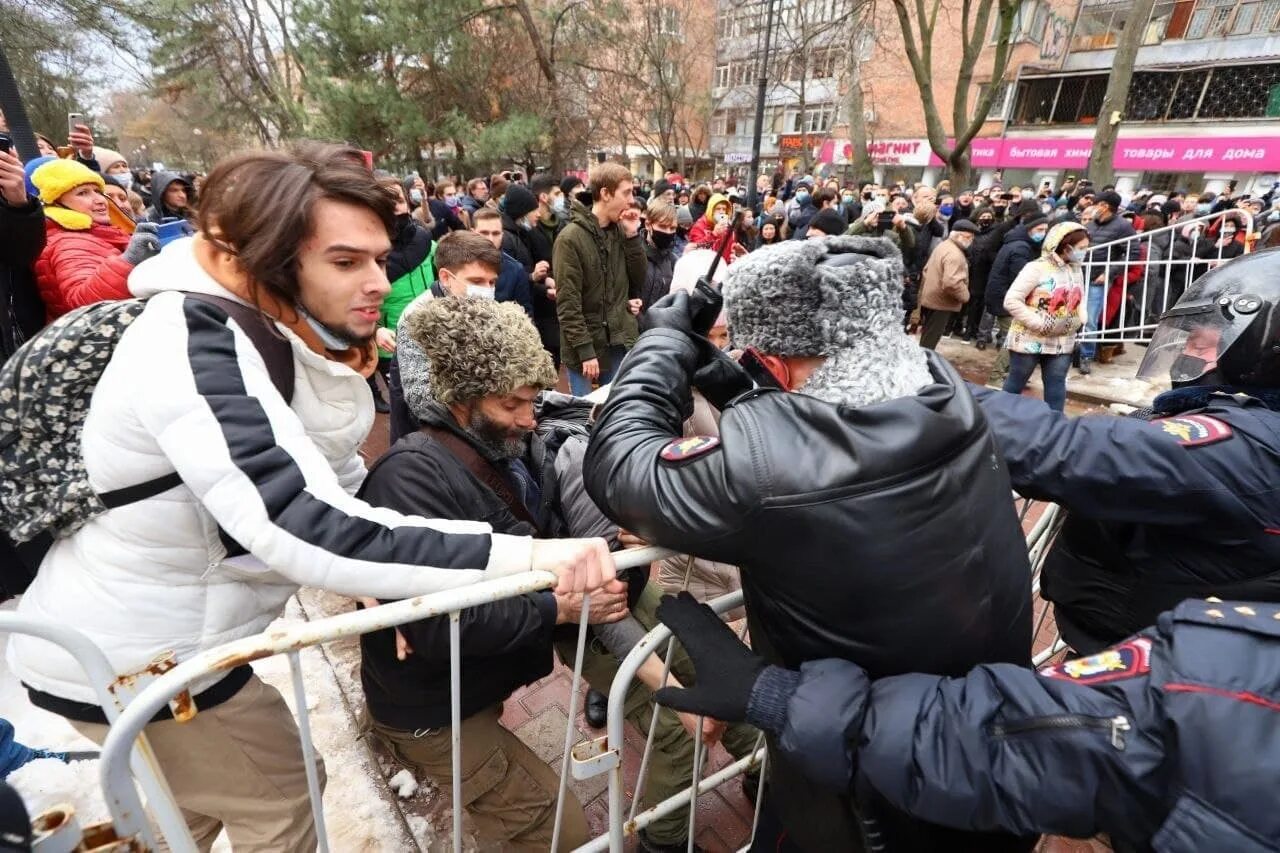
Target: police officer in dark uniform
{"type": "Point", "coordinates": [1166, 741]}
{"type": "Point", "coordinates": [1182, 501]}
{"type": "Point", "coordinates": [848, 503]}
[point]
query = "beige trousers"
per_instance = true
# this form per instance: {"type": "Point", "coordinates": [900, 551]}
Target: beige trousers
{"type": "Point", "coordinates": [237, 765]}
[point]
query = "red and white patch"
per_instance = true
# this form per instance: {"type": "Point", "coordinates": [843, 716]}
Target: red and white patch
{"type": "Point", "coordinates": [684, 449]}
{"type": "Point", "coordinates": [1130, 659]}
{"type": "Point", "coordinates": [1195, 430]}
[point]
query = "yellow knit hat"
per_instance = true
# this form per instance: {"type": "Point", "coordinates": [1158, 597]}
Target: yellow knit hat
{"type": "Point", "coordinates": [59, 177]}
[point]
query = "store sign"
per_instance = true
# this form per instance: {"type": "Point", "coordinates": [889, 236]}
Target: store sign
{"type": "Point", "coordinates": [1216, 154]}
{"type": "Point", "coordinates": [737, 157]}
{"type": "Point", "coordinates": [795, 142]}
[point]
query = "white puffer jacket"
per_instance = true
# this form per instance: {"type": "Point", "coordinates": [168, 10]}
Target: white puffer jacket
{"type": "Point", "coordinates": [186, 390]}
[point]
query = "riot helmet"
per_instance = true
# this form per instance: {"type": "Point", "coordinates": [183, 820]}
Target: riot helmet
{"type": "Point", "coordinates": [1225, 330]}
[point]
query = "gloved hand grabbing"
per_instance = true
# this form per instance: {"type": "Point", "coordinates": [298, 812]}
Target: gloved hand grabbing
{"type": "Point", "coordinates": [144, 243]}
{"type": "Point", "coordinates": [719, 378]}
{"type": "Point", "coordinates": [726, 669]}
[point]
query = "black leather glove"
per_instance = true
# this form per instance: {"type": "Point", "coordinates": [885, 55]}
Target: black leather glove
{"type": "Point", "coordinates": [719, 378]}
{"type": "Point", "coordinates": [726, 669]}
{"type": "Point", "coordinates": [669, 312]}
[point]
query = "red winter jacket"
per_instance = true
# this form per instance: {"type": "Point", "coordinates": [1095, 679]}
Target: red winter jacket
{"type": "Point", "coordinates": [81, 267]}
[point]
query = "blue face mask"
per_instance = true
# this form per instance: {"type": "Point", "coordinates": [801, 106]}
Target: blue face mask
{"type": "Point", "coordinates": [1203, 209]}
{"type": "Point", "coordinates": [1077, 256]}
{"type": "Point", "coordinates": [802, 197]}
{"type": "Point", "coordinates": [558, 204]}
{"type": "Point", "coordinates": [415, 196]}
{"type": "Point", "coordinates": [946, 209]}
{"type": "Point", "coordinates": [1037, 237]}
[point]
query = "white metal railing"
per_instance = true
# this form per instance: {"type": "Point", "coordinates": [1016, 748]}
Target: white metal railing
{"type": "Point", "coordinates": [581, 760]}
{"type": "Point", "coordinates": [122, 798]}
{"type": "Point", "coordinates": [1160, 281]}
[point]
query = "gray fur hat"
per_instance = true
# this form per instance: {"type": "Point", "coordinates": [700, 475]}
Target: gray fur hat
{"type": "Point", "coordinates": [478, 347]}
{"type": "Point", "coordinates": [814, 297]}
{"type": "Point", "coordinates": [839, 297]}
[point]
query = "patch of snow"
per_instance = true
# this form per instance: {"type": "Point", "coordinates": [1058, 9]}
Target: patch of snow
{"type": "Point", "coordinates": [404, 784]}
{"type": "Point", "coordinates": [47, 782]}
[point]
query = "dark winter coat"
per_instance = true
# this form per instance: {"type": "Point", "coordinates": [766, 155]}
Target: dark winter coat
{"type": "Point", "coordinates": [982, 256]}
{"type": "Point", "coordinates": [1166, 742]}
{"type": "Point", "coordinates": [596, 270]}
{"type": "Point", "coordinates": [1016, 252]}
{"type": "Point", "coordinates": [1115, 228]}
{"type": "Point", "coordinates": [541, 240]}
{"type": "Point", "coordinates": [24, 239]}
{"type": "Point", "coordinates": [505, 645]}
{"type": "Point", "coordinates": [657, 279]}
{"type": "Point", "coordinates": [1157, 513]}
{"type": "Point", "coordinates": [159, 211]}
{"type": "Point", "coordinates": [446, 218]}
{"type": "Point", "coordinates": [513, 285]}
{"type": "Point", "coordinates": [785, 496]}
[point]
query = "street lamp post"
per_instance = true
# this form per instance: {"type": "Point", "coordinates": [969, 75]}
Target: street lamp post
{"type": "Point", "coordinates": [762, 83]}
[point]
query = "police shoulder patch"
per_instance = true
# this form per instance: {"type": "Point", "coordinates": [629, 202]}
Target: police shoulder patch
{"type": "Point", "coordinates": [1130, 659]}
{"type": "Point", "coordinates": [684, 449]}
{"type": "Point", "coordinates": [1195, 430]}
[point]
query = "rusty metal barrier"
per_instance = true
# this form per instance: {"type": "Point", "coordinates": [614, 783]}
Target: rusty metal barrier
{"type": "Point", "coordinates": [117, 775]}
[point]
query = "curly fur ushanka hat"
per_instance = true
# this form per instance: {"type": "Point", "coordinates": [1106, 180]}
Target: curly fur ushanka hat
{"type": "Point", "coordinates": [815, 297]}
{"type": "Point", "coordinates": [478, 347]}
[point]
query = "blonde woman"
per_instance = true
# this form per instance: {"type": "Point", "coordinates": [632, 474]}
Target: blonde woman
{"type": "Point", "coordinates": [1048, 305]}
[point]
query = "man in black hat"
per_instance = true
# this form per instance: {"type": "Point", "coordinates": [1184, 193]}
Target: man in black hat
{"type": "Point", "coordinates": [1106, 263]}
{"type": "Point", "coordinates": [944, 284]}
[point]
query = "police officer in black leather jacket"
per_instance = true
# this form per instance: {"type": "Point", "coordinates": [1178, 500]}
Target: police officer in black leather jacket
{"type": "Point", "coordinates": [1182, 500]}
{"type": "Point", "coordinates": [848, 503]}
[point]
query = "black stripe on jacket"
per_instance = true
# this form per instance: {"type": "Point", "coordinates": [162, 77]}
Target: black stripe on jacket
{"type": "Point", "coordinates": [277, 478]}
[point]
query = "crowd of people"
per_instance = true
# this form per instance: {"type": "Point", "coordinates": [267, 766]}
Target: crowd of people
{"type": "Point", "coordinates": [190, 472]}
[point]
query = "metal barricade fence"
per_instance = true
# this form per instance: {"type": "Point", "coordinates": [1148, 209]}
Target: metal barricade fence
{"type": "Point", "coordinates": [583, 759]}
{"type": "Point", "coordinates": [1158, 281]}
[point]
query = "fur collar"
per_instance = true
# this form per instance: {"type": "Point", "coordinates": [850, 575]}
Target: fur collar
{"type": "Point", "coordinates": [870, 371]}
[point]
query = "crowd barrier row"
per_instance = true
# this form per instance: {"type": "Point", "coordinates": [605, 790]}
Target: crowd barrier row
{"type": "Point", "coordinates": [127, 762]}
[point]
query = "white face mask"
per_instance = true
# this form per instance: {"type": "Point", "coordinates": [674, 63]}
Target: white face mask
{"type": "Point", "coordinates": [124, 178]}
{"type": "Point", "coordinates": [480, 291]}
{"type": "Point", "coordinates": [1078, 256]}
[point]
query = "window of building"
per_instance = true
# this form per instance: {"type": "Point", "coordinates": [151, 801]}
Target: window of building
{"type": "Point", "coordinates": [1035, 100]}
{"type": "Point", "coordinates": [1028, 22]}
{"type": "Point", "coordinates": [817, 118]}
{"type": "Point", "coordinates": [664, 21]}
{"type": "Point", "coordinates": [1210, 18]}
{"type": "Point", "coordinates": [718, 124]}
{"type": "Point", "coordinates": [722, 76]}
{"type": "Point", "coordinates": [999, 104]}
{"type": "Point", "coordinates": [824, 63]}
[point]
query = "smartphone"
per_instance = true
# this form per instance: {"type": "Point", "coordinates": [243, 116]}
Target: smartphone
{"type": "Point", "coordinates": [74, 119]}
{"type": "Point", "coordinates": [885, 222]}
{"type": "Point", "coordinates": [6, 142]}
{"type": "Point", "coordinates": [759, 372]}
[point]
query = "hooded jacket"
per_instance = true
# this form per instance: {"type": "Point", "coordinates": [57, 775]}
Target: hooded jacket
{"type": "Point", "coordinates": [597, 270]}
{"type": "Point", "coordinates": [265, 503]}
{"type": "Point", "coordinates": [408, 270]}
{"type": "Point", "coordinates": [158, 211]}
{"type": "Point", "coordinates": [1016, 252]}
{"type": "Point", "coordinates": [1047, 300]}
{"type": "Point", "coordinates": [81, 266]}
{"type": "Point", "coordinates": [703, 235]}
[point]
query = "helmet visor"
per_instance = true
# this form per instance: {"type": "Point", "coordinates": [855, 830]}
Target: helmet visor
{"type": "Point", "coordinates": [1187, 345]}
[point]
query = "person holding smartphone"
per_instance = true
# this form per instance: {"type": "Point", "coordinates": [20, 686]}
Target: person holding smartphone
{"type": "Point", "coordinates": [22, 223]}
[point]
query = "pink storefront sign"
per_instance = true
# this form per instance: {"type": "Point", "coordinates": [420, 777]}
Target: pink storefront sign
{"type": "Point", "coordinates": [1215, 154]}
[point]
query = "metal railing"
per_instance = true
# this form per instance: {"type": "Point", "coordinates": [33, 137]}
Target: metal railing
{"type": "Point", "coordinates": [1157, 282]}
{"type": "Point", "coordinates": [581, 760]}
{"type": "Point", "coordinates": [122, 798]}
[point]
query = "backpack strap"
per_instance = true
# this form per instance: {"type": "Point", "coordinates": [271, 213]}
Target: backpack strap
{"type": "Point", "coordinates": [276, 352]}
{"type": "Point", "coordinates": [484, 471]}
{"type": "Point", "coordinates": [271, 345]}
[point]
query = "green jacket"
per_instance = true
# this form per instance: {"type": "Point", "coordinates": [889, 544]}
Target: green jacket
{"type": "Point", "coordinates": [596, 270]}
{"type": "Point", "coordinates": [404, 290]}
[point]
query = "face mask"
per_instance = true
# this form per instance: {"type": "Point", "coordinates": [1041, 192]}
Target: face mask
{"type": "Point", "coordinates": [802, 197]}
{"type": "Point", "coordinates": [415, 196]}
{"type": "Point", "coordinates": [722, 217]}
{"type": "Point", "coordinates": [847, 199]}
{"type": "Point", "coordinates": [998, 209]}
{"type": "Point", "coordinates": [124, 178]}
{"type": "Point", "coordinates": [584, 197]}
{"type": "Point", "coordinates": [1036, 237]}
{"type": "Point", "coordinates": [1203, 209]}
{"type": "Point", "coordinates": [452, 201]}
{"type": "Point", "coordinates": [662, 239]}
{"type": "Point", "coordinates": [1028, 194]}
{"type": "Point", "coordinates": [1077, 256]}
{"type": "Point", "coordinates": [946, 209]}
{"type": "Point", "coordinates": [1228, 232]}
{"type": "Point", "coordinates": [480, 291]}
{"type": "Point", "coordinates": [985, 226]}
{"type": "Point", "coordinates": [402, 219]}
{"type": "Point", "coordinates": [1186, 368]}
{"type": "Point", "coordinates": [558, 204]}
{"type": "Point", "coordinates": [866, 196]}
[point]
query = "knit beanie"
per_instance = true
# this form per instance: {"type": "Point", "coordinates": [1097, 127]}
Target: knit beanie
{"type": "Point", "coordinates": [829, 222]}
{"type": "Point", "coordinates": [518, 202]}
{"type": "Point", "coordinates": [498, 187]}
{"type": "Point", "coordinates": [839, 297]}
{"type": "Point", "coordinates": [568, 182]}
{"type": "Point", "coordinates": [59, 177]}
{"type": "Point", "coordinates": [478, 347]}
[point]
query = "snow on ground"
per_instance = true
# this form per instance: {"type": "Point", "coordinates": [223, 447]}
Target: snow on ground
{"type": "Point", "coordinates": [359, 817]}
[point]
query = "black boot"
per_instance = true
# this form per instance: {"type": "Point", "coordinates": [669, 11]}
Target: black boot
{"type": "Point", "coordinates": [596, 709]}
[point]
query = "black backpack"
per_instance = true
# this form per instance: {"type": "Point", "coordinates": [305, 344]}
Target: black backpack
{"type": "Point", "coordinates": [45, 390]}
